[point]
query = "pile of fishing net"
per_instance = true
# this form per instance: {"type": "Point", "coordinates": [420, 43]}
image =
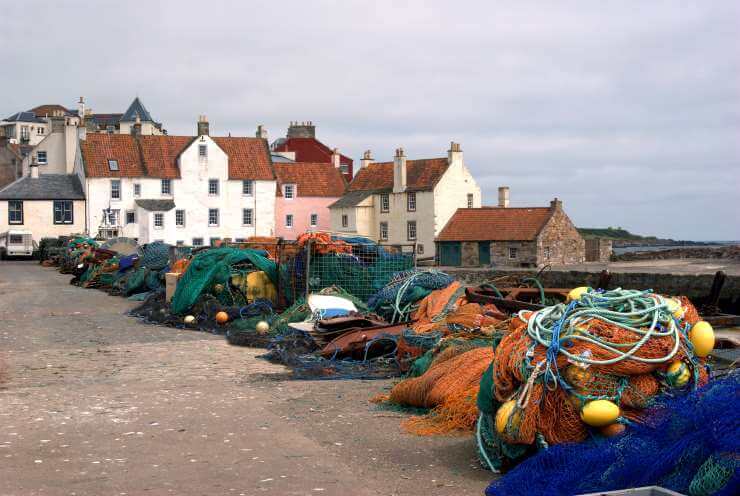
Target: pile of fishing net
{"type": "Point", "coordinates": [400, 297]}
{"type": "Point", "coordinates": [589, 368]}
{"type": "Point", "coordinates": [688, 443]}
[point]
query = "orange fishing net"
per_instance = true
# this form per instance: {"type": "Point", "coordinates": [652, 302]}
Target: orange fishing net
{"type": "Point", "coordinates": [323, 244]}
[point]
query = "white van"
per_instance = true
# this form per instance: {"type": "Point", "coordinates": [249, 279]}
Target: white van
{"type": "Point", "coordinates": [16, 243]}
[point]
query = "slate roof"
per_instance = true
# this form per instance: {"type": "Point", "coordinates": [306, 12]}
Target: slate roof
{"type": "Point", "coordinates": [495, 224]}
{"type": "Point", "coordinates": [421, 175]}
{"type": "Point", "coordinates": [351, 199]}
{"type": "Point", "coordinates": [156, 205]}
{"type": "Point", "coordinates": [105, 120]}
{"type": "Point", "coordinates": [24, 117]}
{"type": "Point", "coordinates": [45, 187]}
{"type": "Point", "coordinates": [156, 156]}
{"type": "Point", "coordinates": [136, 109]}
{"type": "Point", "coordinates": [311, 179]}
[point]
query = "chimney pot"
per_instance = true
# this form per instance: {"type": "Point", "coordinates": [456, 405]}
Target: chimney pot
{"type": "Point", "coordinates": [556, 204]}
{"type": "Point", "coordinates": [503, 196]}
{"type": "Point", "coordinates": [336, 158]}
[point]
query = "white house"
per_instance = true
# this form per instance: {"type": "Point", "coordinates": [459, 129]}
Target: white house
{"type": "Point", "coordinates": [406, 201]}
{"type": "Point", "coordinates": [178, 189]}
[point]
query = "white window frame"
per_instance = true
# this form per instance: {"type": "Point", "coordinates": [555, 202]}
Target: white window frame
{"type": "Point", "coordinates": [137, 190]}
{"type": "Point", "coordinates": [385, 203]}
{"type": "Point", "coordinates": [213, 187]}
{"type": "Point", "coordinates": [247, 187]}
{"type": "Point", "coordinates": [289, 222]}
{"type": "Point", "coordinates": [133, 213]}
{"type": "Point", "coordinates": [293, 191]}
{"type": "Point", "coordinates": [158, 216]}
{"type": "Point", "coordinates": [40, 130]}
{"type": "Point", "coordinates": [18, 210]}
{"type": "Point", "coordinates": [409, 235]}
{"type": "Point", "coordinates": [42, 161]}
{"type": "Point", "coordinates": [113, 217]}
{"type": "Point", "coordinates": [513, 253]}
{"type": "Point", "coordinates": [168, 188]}
{"type": "Point", "coordinates": [180, 213]}
{"type": "Point", "coordinates": [383, 231]}
{"type": "Point", "coordinates": [63, 210]}
{"type": "Point", "coordinates": [546, 252]}
{"type": "Point", "coordinates": [113, 164]}
{"type": "Point", "coordinates": [217, 215]}
{"type": "Point", "coordinates": [313, 220]}
{"type": "Point", "coordinates": [471, 200]}
{"type": "Point", "coordinates": [420, 249]}
{"type": "Point", "coordinates": [247, 212]}
{"type": "Point", "coordinates": [345, 220]}
{"type": "Point", "coordinates": [202, 150]}
{"type": "Point", "coordinates": [411, 201]}
{"type": "Point", "coordinates": [116, 189]}
{"type": "Point", "coordinates": [198, 241]}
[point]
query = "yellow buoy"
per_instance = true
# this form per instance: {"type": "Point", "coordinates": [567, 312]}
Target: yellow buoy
{"type": "Point", "coordinates": [576, 293]}
{"type": "Point", "coordinates": [599, 413]}
{"type": "Point", "coordinates": [674, 306]}
{"type": "Point", "coordinates": [189, 319]}
{"type": "Point", "coordinates": [262, 327]}
{"type": "Point", "coordinates": [503, 414]}
{"type": "Point", "coordinates": [701, 336]}
{"type": "Point", "coordinates": [678, 374]}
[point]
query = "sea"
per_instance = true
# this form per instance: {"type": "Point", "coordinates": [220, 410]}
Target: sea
{"type": "Point", "coordinates": [618, 250]}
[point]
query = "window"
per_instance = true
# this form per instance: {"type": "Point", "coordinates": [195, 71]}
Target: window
{"type": "Point", "coordinates": [547, 252]}
{"type": "Point", "coordinates": [112, 215]}
{"type": "Point", "coordinates": [411, 202]}
{"type": "Point", "coordinates": [130, 217]}
{"type": "Point", "coordinates": [166, 186]}
{"type": "Point", "coordinates": [289, 191]}
{"type": "Point", "coordinates": [383, 231]}
{"type": "Point", "coordinates": [137, 189]}
{"type": "Point", "coordinates": [40, 130]}
{"type": "Point", "coordinates": [15, 212]}
{"type": "Point", "coordinates": [385, 202]}
{"type": "Point", "coordinates": [247, 216]}
{"type": "Point", "coordinates": [512, 253]}
{"type": "Point", "coordinates": [470, 200]}
{"type": "Point", "coordinates": [203, 150]}
{"type": "Point", "coordinates": [344, 168]}
{"type": "Point", "coordinates": [213, 187]}
{"type": "Point", "coordinates": [420, 249]}
{"type": "Point", "coordinates": [197, 241]}
{"type": "Point", "coordinates": [247, 187]}
{"type": "Point", "coordinates": [115, 189]}
{"type": "Point", "coordinates": [345, 220]}
{"type": "Point", "coordinates": [212, 216]}
{"type": "Point", "coordinates": [110, 129]}
{"type": "Point", "coordinates": [15, 239]}
{"type": "Point", "coordinates": [289, 220]}
{"type": "Point", "coordinates": [25, 135]}
{"type": "Point", "coordinates": [41, 157]}
{"type": "Point", "coordinates": [158, 220]}
{"type": "Point", "coordinates": [113, 164]}
{"type": "Point", "coordinates": [63, 212]}
{"type": "Point", "coordinates": [314, 220]}
{"type": "Point", "coordinates": [411, 230]}
{"type": "Point", "coordinates": [180, 218]}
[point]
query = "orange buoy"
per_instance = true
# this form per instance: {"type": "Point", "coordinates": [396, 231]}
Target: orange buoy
{"type": "Point", "coordinates": [222, 317]}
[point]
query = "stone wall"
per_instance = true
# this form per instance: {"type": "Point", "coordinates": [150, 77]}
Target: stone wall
{"type": "Point", "coordinates": [598, 250]}
{"type": "Point", "coordinates": [9, 166]}
{"type": "Point", "coordinates": [566, 246]}
{"type": "Point", "coordinates": [526, 253]}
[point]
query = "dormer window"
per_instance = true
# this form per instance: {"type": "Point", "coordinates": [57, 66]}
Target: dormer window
{"type": "Point", "coordinates": [113, 164]}
{"type": "Point", "coordinates": [289, 191]}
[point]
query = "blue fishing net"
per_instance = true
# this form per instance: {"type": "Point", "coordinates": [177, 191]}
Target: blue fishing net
{"type": "Point", "coordinates": [691, 445]}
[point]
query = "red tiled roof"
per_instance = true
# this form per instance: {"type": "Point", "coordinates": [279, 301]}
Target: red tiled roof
{"type": "Point", "coordinates": [312, 179]}
{"type": "Point", "coordinates": [310, 150]}
{"type": "Point", "coordinates": [156, 156]}
{"type": "Point", "coordinates": [249, 158]}
{"type": "Point", "coordinates": [49, 109]}
{"type": "Point", "coordinates": [495, 224]}
{"type": "Point", "coordinates": [421, 175]}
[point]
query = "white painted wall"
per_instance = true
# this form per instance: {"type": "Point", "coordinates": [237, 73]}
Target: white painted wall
{"type": "Point", "coordinates": [452, 191]}
{"type": "Point", "coordinates": [38, 217]}
{"type": "Point", "coordinates": [189, 193]}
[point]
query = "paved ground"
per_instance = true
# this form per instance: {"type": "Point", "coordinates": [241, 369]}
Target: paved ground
{"type": "Point", "coordinates": [95, 403]}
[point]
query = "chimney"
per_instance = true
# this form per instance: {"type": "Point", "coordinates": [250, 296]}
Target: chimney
{"type": "Point", "coordinates": [399, 171]}
{"type": "Point", "coordinates": [261, 132]}
{"type": "Point", "coordinates": [34, 169]}
{"type": "Point", "coordinates": [301, 130]}
{"type": "Point", "coordinates": [367, 159]}
{"type": "Point", "coordinates": [556, 204]}
{"type": "Point", "coordinates": [454, 154]}
{"type": "Point", "coordinates": [336, 158]}
{"type": "Point", "coordinates": [136, 128]}
{"type": "Point", "coordinates": [203, 128]}
{"type": "Point", "coordinates": [503, 196]}
{"type": "Point", "coordinates": [81, 110]}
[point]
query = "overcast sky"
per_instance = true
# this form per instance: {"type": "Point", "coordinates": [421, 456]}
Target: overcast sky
{"type": "Point", "coordinates": [628, 112]}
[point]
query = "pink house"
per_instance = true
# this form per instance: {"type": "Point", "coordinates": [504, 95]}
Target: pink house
{"type": "Point", "coordinates": [304, 192]}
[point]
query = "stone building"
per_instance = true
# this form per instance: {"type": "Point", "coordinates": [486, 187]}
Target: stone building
{"type": "Point", "coordinates": [598, 250]}
{"type": "Point", "coordinates": [510, 237]}
{"type": "Point", "coordinates": [406, 202]}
